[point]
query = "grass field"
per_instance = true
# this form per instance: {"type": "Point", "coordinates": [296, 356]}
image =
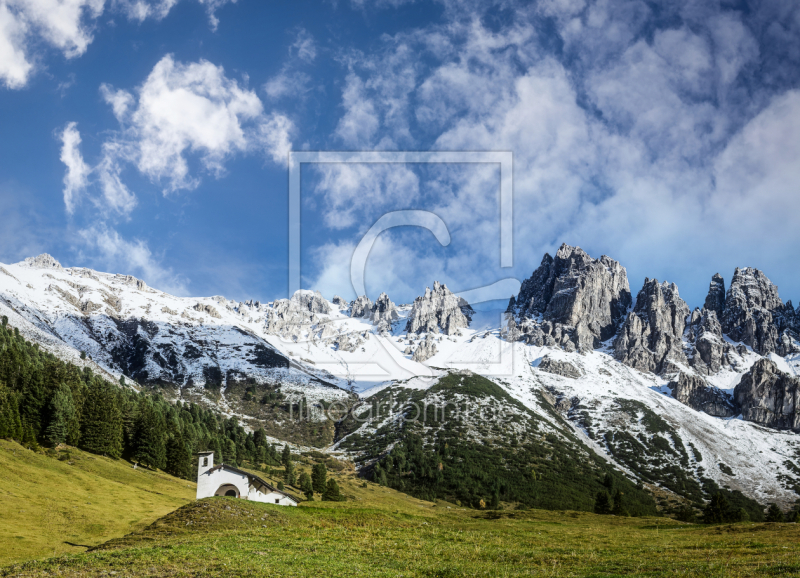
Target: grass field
{"type": "Point", "coordinates": [379, 532]}
{"type": "Point", "coordinates": [52, 507]}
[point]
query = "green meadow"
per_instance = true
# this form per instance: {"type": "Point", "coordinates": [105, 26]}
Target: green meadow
{"type": "Point", "coordinates": [92, 516]}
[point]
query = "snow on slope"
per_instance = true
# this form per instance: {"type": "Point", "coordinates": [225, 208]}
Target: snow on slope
{"type": "Point", "coordinates": [190, 341]}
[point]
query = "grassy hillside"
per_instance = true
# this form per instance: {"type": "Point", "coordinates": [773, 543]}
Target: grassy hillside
{"type": "Point", "coordinates": [52, 506]}
{"type": "Point", "coordinates": [380, 532]}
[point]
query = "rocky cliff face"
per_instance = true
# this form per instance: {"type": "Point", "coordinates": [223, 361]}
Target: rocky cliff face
{"type": "Point", "coordinates": [769, 397]}
{"type": "Point", "coordinates": [693, 391]}
{"type": "Point", "coordinates": [438, 311]}
{"type": "Point", "coordinates": [289, 318]}
{"type": "Point", "coordinates": [382, 313]}
{"type": "Point", "coordinates": [709, 348]}
{"type": "Point", "coordinates": [572, 300]}
{"type": "Point", "coordinates": [715, 300]}
{"type": "Point", "coordinates": [651, 339]}
{"type": "Point", "coordinates": [749, 305]}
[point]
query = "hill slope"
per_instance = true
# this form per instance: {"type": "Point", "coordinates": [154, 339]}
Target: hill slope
{"type": "Point", "coordinates": [53, 506]}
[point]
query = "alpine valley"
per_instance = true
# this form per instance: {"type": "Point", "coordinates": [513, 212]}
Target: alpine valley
{"type": "Point", "coordinates": [579, 385]}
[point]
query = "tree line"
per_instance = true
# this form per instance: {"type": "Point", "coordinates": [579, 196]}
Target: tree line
{"type": "Point", "coordinates": [46, 401]}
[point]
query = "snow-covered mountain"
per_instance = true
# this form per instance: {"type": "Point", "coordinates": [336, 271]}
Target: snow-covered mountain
{"type": "Point", "coordinates": [645, 382]}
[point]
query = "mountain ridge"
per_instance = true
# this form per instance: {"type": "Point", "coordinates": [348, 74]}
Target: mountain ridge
{"type": "Point", "coordinates": [574, 347]}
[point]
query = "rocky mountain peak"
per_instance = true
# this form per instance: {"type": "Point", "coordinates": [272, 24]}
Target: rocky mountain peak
{"type": "Point", "coordinates": [382, 313]}
{"type": "Point", "coordinates": [438, 311]}
{"type": "Point", "coordinates": [749, 306]}
{"type": "Point", "coordinates": [651, 338]}
{"type": "Point", "coordinates": [43, 261]}
{"type": "Point", "coordinates": [312, 301]}
{"type": "Point", "coordinates": [573, 298]}
{"type": "Point", "coordinates": [361, 307]}
{"type": "Point", "coordinates": [715, 300]}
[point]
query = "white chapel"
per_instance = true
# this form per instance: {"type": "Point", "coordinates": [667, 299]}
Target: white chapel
{"type": "Point", "coordinates": [225, 480]}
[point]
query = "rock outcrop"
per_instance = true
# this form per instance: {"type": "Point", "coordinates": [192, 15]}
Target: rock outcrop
{"type": "Point", "coordinates": [381, 313]}
{"type": "Point", "coordinates": [562, 368]}
{"type": "Point", "coordinates": [709, 350]}
{"type": "Point", "coordinates": [769, 397]}
{"type": "Point", "coordinates": [749, 305]}
{"type": "Point", "coordinates": [572, 300]}
{"type": "Point", "coordinates": [361, 307]}
{"type": "Point", "coordinates": [651, 339]}
{"type": "Point", "coordinates": [425, 350]}
{"type": "Point", "coordinates": [290, 318]}
{"type": "Point", "coordinates": [693, 391]}
{"type": "Point", "coordinates": [202, 308]}
{"type": "Point", "coordinates": [438, 311]}
{"type": "Point", "coordinates": [43, 261]}
{"type": "Point", "coordinates": [715, 300]}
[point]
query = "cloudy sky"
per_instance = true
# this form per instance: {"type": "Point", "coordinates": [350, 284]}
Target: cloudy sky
{"type": "Point", "coordinates": [151, 137]}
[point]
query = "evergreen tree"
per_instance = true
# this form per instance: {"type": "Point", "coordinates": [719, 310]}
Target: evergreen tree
{"type": "Point", "coordinates": [10, 422]}
{"type": "Point", "coordinates": [5, 320]}
{"type": "Point", "coordinates": [774, 514]}
{"type": "Point", "coordinates": [319, 478]}
{"type": "Point", "coordinates": [179, 458]}
{"type": "Point", "coordinates": [494, 503]}
{"type": "Point", "coordinates": [602, 503]}
{"type": "Point", "coordinates": [281, 487]}
{"type": "Point", "coordinates": [149, 436]}
{"type": "Point", "coordinates": [229, 451]}
{"type": "Point", "coordinates": [331, 493]}
{"type": "Point", "coordinates": [307, 486]}
{"type": "Point", "coordinates": [717, 511]}
{"type": "Point", "coordinates": [618, 508]}
{"type": "Point", "coordinates": [102, 420]}
{"type": "Point", "coordinates": [793, 516]}
{"type": "Point", "coordinates": [63, 417]}
{"type": "Point", "coordinates": [286, 456]}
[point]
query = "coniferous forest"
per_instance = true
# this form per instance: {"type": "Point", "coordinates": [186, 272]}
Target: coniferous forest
{"type": "Point", "coordinates": [46, 402]}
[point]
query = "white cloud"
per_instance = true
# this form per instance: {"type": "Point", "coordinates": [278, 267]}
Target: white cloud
{"type": "Point", "coordinates": [274, 135]}
{"type": "Point", "coordinates": [304, 46]}
{"type": "Point", "coordinates": [287, 83]}
{"type": "Point", "coordinates": [107, 247]}
{"type": "Point", "coordinates": [360, 122]}
{"type": "Point", "coordinates": [186, 108]}
{"type": "Point", "coordinates": [641, 140]}
{"type": "Point", "coordinates": [121, 101]}
{"type": "Point", "coordinates": [68, 26]}
{"type": "Point", "coordinates": [181, 112]}
{"type": "Point", "coordinates": [63, 24]}
{"type": "Point", "coordinates": [77, 176]}
{"type": "Point", "coordinates": [14, 65]}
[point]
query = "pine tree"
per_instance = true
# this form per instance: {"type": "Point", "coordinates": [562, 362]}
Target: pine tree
{"type": "Point", "coordinates": [179, 458]}
{"type": "Point", "coordinates": [774, 514]}
{"type": "Point", "coordinates": [10, 422]}
{"type": "Point", "coordinates": [331, 493]}
{"type": "Point", "coordinates": [149, 444]}
{"type": "Point", "coordinates": [307, 486]}
{"type": "Point", "coordinates": [102, 420]}
{"type": "Point", "coordinates": [319, 476]}
{"type": "Point", "coordinates": [717, 511]}
{"type": "Point", "coordinates": [602, 503]}
{"type": "Point", "coordinates": [618, 508]}
{"type": "Point", "coordinates": [62, 416]}
{"type": "Point", "coordinates": [5, 320]}
{"type": "Point", "coordinates": [286, 456]}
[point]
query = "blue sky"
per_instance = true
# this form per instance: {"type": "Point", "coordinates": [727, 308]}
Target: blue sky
{"type": "Point", "coordinates": [150, 137]}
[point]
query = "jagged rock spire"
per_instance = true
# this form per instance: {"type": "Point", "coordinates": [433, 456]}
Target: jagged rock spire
{"type": "Point", "coordinates": [575, 300]}
{"type": "Point", "coordinates": [651, 337]}
{"type": "Point", "coordinates": [715, 300]}
{"type": "Point", "coordinates": [438, 311]}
